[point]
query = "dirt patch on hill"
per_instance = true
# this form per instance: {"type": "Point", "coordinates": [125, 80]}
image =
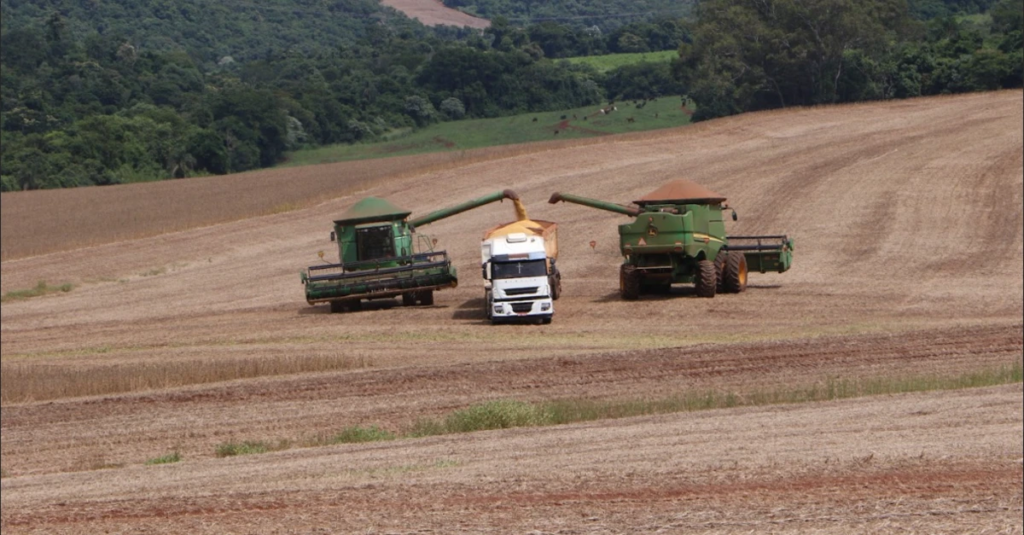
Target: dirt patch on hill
{"type": "Point", "coordinates": [434, 13]}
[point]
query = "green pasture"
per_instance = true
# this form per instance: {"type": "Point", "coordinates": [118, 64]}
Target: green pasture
{"type": "Point", "coordinates": [608, 62]}
{"type": "Point", "coordinates": [629, 116]}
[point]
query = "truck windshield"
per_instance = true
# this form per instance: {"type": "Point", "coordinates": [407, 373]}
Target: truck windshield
{"type": "Point", "coordinates": [523, 268]}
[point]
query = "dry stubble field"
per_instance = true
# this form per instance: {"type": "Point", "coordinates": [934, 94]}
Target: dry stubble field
{"type": "Point", "coordinates": [434, 13]}
{"type": "Point", "coordinates": [907, 218]}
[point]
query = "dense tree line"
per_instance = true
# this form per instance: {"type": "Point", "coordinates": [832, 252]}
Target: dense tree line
{"type": "Point", "coordinates": [599, 15]}
{"type": "Point", "coordinates": [759, 54]}
{"type": "Point", "coordinates": [85, 108]}
{"type": "Point", "coordinates": [210, 31]}
{"type": "Point", "coordinates": [100, 110]}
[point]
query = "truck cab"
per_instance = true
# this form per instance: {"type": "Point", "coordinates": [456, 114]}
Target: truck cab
{"type": "Point", "coordinates": [520, 279]}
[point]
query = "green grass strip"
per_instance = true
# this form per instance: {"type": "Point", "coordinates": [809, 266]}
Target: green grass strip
{"type": "Point", "coordinates": [42, 288]}
{"type": "Point", "coordinates": [502, 414]}
{"type": "Point", "coordinates": [356, 434]}
{"type": "Point", "coordinates": [172, 457]}
{"type": "Point", "coordinates": [250, 447]}
{"type": "Point", "coordinates": [507, 413]}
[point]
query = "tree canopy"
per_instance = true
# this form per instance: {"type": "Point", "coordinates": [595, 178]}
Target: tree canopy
{"type": "Point", "coordinates": [95, 93]}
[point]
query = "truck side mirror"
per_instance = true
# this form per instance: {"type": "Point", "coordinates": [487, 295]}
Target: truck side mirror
{"type": "Point", "coordinates": [332, 233]}
{"type": "Point", "coordinates": [734, 218]}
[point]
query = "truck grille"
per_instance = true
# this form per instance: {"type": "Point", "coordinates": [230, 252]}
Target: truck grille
{"type": "Point", "coordinates": [521, 291]}
{"type": "Point", "coordinates": [522, 308]}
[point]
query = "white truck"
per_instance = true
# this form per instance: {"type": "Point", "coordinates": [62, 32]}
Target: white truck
{"type": "Point", "coordinates": [521, 280]}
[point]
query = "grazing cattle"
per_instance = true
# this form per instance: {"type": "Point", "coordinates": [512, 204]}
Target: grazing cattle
{"type": "Point", "coordinates": [629, 119]}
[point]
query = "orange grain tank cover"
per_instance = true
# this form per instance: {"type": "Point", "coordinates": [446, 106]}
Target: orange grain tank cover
{"type": "Point", "coordinates": [681, 191]}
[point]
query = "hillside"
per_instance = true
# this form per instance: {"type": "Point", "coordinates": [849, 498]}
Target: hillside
{"type": "Point", "coordinates": [605, 15]}
{"type": "Point", "coordinates": [434, 13]}
{"type": "Point", "coordinates": [908, 265]}
{"type": "Point", "coordinates": [209, 32]}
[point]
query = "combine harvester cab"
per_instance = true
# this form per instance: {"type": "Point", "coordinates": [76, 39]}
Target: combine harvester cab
{"type": "Point", "coordinates": [381, 259]}
{"type": "Point", "coordinates": [678, 236]}
{"type": "Point", "coordinates": [521, 278]}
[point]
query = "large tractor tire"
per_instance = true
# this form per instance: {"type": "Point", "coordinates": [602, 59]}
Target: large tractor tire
{"type": "Point", "coordinates": [706, 280]}
{"type": "Point", "coordinates": [735, 273]}
{"type": "Point", "coordinates": [720, 261]}
{"type": "Point", "coordinates": [629, 282]}
{"type": "Point", "coordinates": [426, 297]}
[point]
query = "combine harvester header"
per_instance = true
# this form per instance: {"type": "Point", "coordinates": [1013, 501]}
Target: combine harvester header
{"type": "Point", "coordinates": [379, 258]}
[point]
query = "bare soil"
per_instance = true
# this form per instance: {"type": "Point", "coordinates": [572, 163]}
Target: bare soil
{"type": "Point", "coordinates": [434, 13]}
{"type": "Point", "coordinates": [909, 261]}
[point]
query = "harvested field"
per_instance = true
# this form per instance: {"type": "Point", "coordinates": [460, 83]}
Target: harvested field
{"type": "Point", "coordinates": [909, 264]}
{"type": "Point", "coordinates": [434, 13]}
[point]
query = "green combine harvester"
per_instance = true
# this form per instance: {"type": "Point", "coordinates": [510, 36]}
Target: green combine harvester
{"type": "Point", "coordinates": [678, 236]}
{"type": "Point", "coordinates": [379, 258]}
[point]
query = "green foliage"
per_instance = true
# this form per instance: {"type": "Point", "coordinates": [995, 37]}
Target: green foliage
{"type": "Point", "coordinates": [501, 414]}
{"type": "Point", "coordinates": [608, 62]}
{"type": "Point", "coordinates": [505, 414]}
{"type": "Point", "coordinates": [357, 434]}
{"type": "Point", "coordinates": [249, 447]}
{"type": "Point", "coordinates": [172, 457]}
{"type": "Point", "coordinates": [931, 9]}
{"type": "Point", "coordinates": [425, 427]}
{"type": "Point", "coordinates": [41, 288]}
{"type": "Point", "coordinates": [572, 123]}
{"type": "Point", "coordinates": [642, 81]}
{"type": "Point", "coordinates": [210, 31]}
{"type": "Point", "coordinates": [749, 56]}
{"type": "Point", "coordinates": [509, 413]}
{"type": "Point", "coordinates": [603, 15]}
{"type": "Point", "coordinates": [117, 92]}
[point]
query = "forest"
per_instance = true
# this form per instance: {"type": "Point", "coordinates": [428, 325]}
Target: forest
{"type": "Point", "coordinates": [95, 93]}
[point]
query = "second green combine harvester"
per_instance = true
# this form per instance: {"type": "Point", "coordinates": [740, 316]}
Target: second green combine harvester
{"type": "Point", "coordinates": [380, 259]}
{"type": "Point", "coordinates": [678, 236]}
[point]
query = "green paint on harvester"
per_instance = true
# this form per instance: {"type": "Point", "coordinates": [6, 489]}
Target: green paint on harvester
{"type": "Point", "coordinates": [678, 236]}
